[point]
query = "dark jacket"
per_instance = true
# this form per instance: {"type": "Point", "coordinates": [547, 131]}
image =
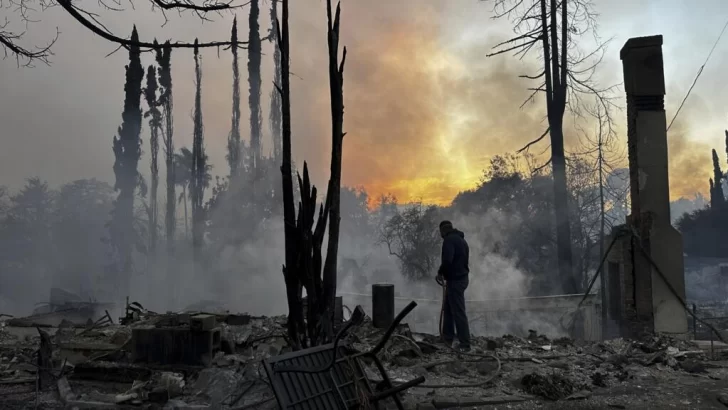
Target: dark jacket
{"type": "Point", "coordinates": [455, 255]}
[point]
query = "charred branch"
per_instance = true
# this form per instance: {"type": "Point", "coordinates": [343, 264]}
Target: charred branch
{"type": "Point", "coordinates": [98, 29]}
{"type": "Point", "coordinates": [534, 142]}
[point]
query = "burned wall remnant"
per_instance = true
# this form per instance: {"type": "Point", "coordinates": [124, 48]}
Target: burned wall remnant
{"type": "Point", "coordinates": [650, 256]}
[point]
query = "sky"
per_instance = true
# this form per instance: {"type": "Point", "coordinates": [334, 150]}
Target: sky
{"type": "Point", "coordinates": [425, 109]}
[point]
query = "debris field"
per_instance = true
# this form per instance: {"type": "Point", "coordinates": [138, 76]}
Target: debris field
{"type": "Point", "coordinates": [151, 362]}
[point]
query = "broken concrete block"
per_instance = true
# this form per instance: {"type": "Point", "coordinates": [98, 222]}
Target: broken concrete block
{"type": "Point", "coordinates": [202, 322]}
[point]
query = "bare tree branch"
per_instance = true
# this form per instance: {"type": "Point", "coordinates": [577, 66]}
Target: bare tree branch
{"type": "Point", "coordinates": [536, 141]}
{"type": "Point", "coordinates": [76, 13]}
{"type": "Point", "coordinates": [10, 40]}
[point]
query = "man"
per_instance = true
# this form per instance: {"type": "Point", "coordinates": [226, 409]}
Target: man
{"type": "Point", "coordinates": [454, 270]}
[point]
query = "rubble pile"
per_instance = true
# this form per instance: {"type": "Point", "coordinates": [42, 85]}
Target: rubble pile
{"type": "Point", "coordinates": [97, 365]}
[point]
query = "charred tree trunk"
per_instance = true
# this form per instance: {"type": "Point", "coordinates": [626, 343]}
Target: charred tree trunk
{"type": "Point", "coordinates": [127, 150]}
{"type": "Point", "coordinates": [333, 196]}
{"type": "Point", "coordinates": [304, 266]}
{"type": "Point", "coordinates": [150, 94]}
{"type": "Point", "coordinates": [254, 81]}
{"type": "Point", "coordinates": [233, 156]}
{"type": "Point", "coordinates": [197, 177]}
{"type": "Point", "coordinates": [274, 118]}
{"type": "Point", "coordinates": [555, 72]}
{"type": "Point", "coordinates": [290, 274]}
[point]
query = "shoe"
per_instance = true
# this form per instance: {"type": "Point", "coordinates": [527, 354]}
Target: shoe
{"type": "Point", "coordinates": [463, 349]}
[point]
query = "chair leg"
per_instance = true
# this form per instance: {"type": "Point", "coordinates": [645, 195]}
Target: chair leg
{"type": "Point", "coordinates": [387, 382]}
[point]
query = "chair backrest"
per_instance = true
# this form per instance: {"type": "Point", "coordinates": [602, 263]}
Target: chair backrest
{"type": "Point", "coordinates": [343, 387]}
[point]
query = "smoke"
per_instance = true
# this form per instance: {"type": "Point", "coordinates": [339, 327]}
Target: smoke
{"type": "Point", "coordinates": [689, 161]}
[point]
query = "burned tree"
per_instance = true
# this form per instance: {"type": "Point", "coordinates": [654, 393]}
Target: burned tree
{"type": "Point", "coordinates": [155, 124]}
{"type": "Point", "coordinates": [254, 82]}
{"type": "Point", "coordinates": [164, 59]}
{"type": "Point", "coordinates": [10, 40]}
{"type": "Point", "coordinates": [234, 149]}
{"type": "Point", "coordinates": [717, 198]}
{"type": "Point", "coordinates": [303, 239]}
{"type": "Point", "coordinates": [274, 116]}
{"type": "Point", "coordinates": [197, 181]}
{"type": "Point", "coordinates": [551, 26]}
{"type": "Point", "coordinates": [127, 150]}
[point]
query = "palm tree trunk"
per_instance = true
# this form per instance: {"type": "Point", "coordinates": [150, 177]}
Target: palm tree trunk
{"type": "Point", "coordinates": [184, 200]}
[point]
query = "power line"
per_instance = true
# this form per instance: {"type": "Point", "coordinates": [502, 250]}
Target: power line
{"type": "Point", "coordinates": [700, 71]}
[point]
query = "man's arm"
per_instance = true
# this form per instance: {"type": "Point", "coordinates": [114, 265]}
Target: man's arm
{"type": "Point", "coordinates": [448, 253]}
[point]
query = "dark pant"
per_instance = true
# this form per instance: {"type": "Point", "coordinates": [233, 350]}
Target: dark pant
{"type": "Point", "coordinates": [454, 317]}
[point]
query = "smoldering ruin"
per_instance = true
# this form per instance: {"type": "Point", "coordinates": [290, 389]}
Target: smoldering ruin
{"type": "Point", "coordinates": [176, 289]}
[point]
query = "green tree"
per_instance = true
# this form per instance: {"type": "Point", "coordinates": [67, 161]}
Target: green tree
{"type": "Point", "coordinates": [127, 150]}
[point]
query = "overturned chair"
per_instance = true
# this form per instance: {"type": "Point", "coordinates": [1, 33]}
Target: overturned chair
{"type": "Point", "coordinates": [331, 376]}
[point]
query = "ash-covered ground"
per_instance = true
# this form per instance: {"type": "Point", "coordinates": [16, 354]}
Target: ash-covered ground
{"type": "Point", "coordinates": [92, 366]}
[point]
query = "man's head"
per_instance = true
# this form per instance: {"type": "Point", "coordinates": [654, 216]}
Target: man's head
{"type": "Point", "coordinates": [445, 228]}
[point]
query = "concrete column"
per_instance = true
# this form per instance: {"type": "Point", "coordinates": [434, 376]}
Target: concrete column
{"type": "Point", "coordinates": [644, 82]}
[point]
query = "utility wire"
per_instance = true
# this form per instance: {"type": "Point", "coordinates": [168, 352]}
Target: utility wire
{"type": "Point", "coordinates": [700, 71]}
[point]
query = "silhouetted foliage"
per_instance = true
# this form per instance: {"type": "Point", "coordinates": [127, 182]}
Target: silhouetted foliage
{"type": "Point", "coordinates": [254, 82]}
{"type": "Point", "coordinates": [717, 198]}
{"type": "Point", "coordinates": [705, 232]}
{"type": "Point", "coordinates": [155, 124]}
{"type": "Point", "coordinates": [127, 151]}
{"type": "Point", "coordinates": [234, 147]}
{"type": "Point", "coordinates": [275, 115]}
{"type": "Point", "coordinates": [54, 238]}
{"type": "Point", "coordinates": [412, 236]}
{"type": "Point", "coordinates": [164, 59]}
{"type": "Point", "coordinates": [199, 176]}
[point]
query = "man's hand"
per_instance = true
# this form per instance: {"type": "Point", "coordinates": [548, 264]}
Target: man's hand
{"type": "Point", "coordinates": [440, 279]}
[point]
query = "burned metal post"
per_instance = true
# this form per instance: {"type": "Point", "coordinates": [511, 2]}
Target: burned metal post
{"type": "Point", "coordinates": [649, 303]}
{"type": "Point", "coordinates": [382, 305]}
